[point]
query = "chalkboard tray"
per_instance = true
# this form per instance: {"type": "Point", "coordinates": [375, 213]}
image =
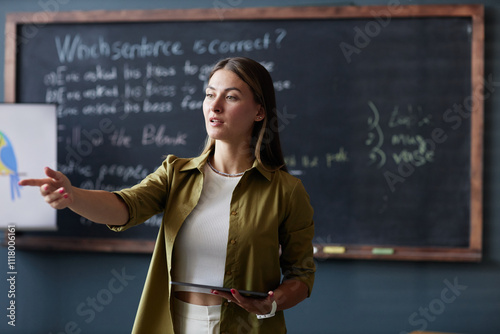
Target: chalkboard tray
{"type": "Point", "coordinates": [380, 112]}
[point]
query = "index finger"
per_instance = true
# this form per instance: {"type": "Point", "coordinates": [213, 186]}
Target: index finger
{"type": "Point", "coordinates": [52, 176]}
{"type": "Point", "coordinates": [34, 182]}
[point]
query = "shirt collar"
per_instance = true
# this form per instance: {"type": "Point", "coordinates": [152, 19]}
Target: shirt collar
{"type": "Point", "coordinates": [200, 161]}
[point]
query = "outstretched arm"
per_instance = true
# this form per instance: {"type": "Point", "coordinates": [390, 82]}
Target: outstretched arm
{"type": "Point", "coordinates": [96, 205]}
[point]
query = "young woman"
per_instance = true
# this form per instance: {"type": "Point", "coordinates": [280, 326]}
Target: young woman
{"type": "Point", "coordinates": [232, 217]}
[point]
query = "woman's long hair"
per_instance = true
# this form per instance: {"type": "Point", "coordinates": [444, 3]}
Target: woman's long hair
{"type": "Point", "coordinates": [265, 141]}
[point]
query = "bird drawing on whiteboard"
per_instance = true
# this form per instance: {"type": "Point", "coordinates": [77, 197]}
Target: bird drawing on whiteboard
{"type": "Point", "coordinates": [8, 165]}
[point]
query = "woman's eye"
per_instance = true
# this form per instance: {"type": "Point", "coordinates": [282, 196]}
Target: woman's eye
{"type": "Point", "coordinates": [231, 98]}
{"type": "Point", "coordinates": [209, 95]}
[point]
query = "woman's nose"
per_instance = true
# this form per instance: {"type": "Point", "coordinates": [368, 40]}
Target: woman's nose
{"type": "Point", "coordinates": [215, 106]}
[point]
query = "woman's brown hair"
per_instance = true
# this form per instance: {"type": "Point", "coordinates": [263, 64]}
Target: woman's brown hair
{"type": "Point", "coordinates": [265, 142]}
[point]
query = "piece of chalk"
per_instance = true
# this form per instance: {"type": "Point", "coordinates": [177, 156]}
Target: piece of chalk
{"type": "Point", "coordinates": [334, 249]}
{"type": "Point", "coordinates": [383, 251]}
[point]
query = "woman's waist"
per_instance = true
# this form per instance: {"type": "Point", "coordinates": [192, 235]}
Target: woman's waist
{"type": "Point", "coordinates": [198, 298]}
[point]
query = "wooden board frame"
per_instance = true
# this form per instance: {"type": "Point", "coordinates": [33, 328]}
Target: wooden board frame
{"type": "Point", "coordinates": [476, 12]}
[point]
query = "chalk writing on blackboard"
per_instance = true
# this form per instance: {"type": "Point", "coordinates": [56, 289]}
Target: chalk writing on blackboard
{"type": "Point", "coordinates": [405, 143]}
{"type": "Point", "coordinates": [375, 138]}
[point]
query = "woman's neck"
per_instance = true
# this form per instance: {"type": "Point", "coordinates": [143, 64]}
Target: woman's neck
{"type": "Point", "coordinates": [232, 159]}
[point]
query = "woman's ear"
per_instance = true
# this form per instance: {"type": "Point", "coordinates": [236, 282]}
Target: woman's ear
{"type": "Point", "coordinates": [261, 113]}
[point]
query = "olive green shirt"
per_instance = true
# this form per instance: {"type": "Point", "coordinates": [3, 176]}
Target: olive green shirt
{"type": "Point", "coordinates": [267, 209]}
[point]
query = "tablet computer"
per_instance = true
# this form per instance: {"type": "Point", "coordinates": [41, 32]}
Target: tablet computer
{"type": "Point", "coordinates": [242, 292]}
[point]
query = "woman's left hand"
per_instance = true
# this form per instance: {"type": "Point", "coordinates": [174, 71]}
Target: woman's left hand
{"type": "Point", "coordinates": [252, 305]}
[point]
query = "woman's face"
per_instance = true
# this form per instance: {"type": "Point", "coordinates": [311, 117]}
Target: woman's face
{"type": "Point", "coordinates": [229, 108]}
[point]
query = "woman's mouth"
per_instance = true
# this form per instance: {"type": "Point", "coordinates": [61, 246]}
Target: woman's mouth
{"type": "Point", "coordinates": [215, 121]}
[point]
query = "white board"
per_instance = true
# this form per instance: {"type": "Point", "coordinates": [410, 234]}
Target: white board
{"type": "Point", "coordinates": [28, 143]}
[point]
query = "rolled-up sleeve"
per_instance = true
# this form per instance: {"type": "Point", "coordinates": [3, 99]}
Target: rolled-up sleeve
{"type": "Point", "coordinates": [296, 235]}
{"type": "Point", "coordinates": [145, 199]}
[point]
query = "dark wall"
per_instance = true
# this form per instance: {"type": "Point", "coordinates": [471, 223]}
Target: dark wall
{"type": "Point", "coordinates": [59, 292]}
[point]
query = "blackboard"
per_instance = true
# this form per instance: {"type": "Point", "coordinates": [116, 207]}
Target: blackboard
{"type": "Point", "coordinates": [379, 108]}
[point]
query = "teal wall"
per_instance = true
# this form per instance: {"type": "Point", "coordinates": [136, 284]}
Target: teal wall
{"type": "Point", "coordinates": [63, 292]}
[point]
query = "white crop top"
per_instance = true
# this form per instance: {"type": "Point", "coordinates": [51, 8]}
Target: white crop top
{"type": "Point", "coordinates": [199, 254]}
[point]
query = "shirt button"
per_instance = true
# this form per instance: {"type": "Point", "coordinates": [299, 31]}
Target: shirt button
{"type": "Point", "coordinates": [228, 272]}
{"type": "Point", "coordinates": [233, 242]}
{"type": "Point", "coordinates": [234, 213]}
{"type": "Point", "coordinates": [226, 304]}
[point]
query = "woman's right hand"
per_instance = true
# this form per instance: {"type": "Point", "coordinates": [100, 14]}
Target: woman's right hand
{"type": "Point", "coordinates": [56, 189]}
